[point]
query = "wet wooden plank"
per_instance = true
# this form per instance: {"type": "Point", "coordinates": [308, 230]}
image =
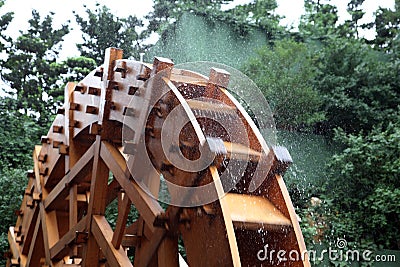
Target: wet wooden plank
{"type": "Point", "coordinates": [254, 212]}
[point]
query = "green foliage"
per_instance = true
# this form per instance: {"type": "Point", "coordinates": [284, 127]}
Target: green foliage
{"type": "Point", "coordinates": [360, 85]}
{"type": "Point", "coordinates": [4, 21]}
{"type": "Point", "coordinates": [257, 13]}
{"type": "Point", "coordinates": [11, 186]}
{"type": "Point", "coordinates": [31, 69]}
{"type": "Point", "coordinates": [102, 29]}
{"type": "Point", "coordinates": [354, 9]}
{"type": "Point", "coordinates": [260, 14]}
{"type": "Point", "coordinates": [387, 24]}
{"type": "Point", "coordinates": [167, 12]}
{"type": "Point", "coordinates": [112, 213]}
{"type": "Point", "coordinates": [284, 74]}
{"type": "Point", "coordinates": [79, 68]}
{"type": "Point", "coordinates": [364, 187]}
{"type": "Point", "coordinates": [18, 135]}
{"type": "Point", "coordinates": [319, 20]}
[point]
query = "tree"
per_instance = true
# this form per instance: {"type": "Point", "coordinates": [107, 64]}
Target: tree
{"type": "Point", "coordinates": [319, 20]}
{"type": "Point", "coordinates": [18, 135]}
{"type": "Point", "coordinates": [167, 12]}
{"type": "Point", "coordinates": [259, 13]}
{"type": "Point", "coordinates": [11, 181]}
{"type": "Point", "coordinates": [78, 68]}
{"type": "Point", "coordinates": [363, 188]}
{"type": "Point", "coordinates": [31, 68]}
{"type": "Point", "coordinates": [4, 22]}
{"type": "Point", "coordinates": [387, 24]}
{"type": "Point", "coordinates": [359, 84]}
{"type": "Point", "coordinates": [102, 29]}
{"type": "Point", "coordinates": [285, 74]}
{"type": "Point", "coordinates": [354, 9]}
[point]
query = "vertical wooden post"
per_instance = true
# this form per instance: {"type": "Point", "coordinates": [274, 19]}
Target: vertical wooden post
{"type": "Point", "coordinates": [100, 172]}
{"type": "Point", "coordinates": [97, 203]}
{"type": "Point", "coordinates": [71, 158]}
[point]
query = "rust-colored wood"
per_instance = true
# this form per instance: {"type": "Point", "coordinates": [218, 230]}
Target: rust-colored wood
{"type": "Point", "coordinates": [124, 204]}
{"type": "Point", "coordinates": [226, 216]}
{"type": "Point", "coordinates": [28, 228]}
{"type": "Point", "coordinates": [149, 248]}
{"type": "Point", "coordinates": [74, 176]}
{"type": "Point", "coordinates": [103, 234]}
{"type": "Point", "coordinates": [36, 249]}
{"type": "Point", "coordinates": [61, 221]}
{"type": "Point", "coordinates": [15, 248]}
{"type": "Point", "coordinates": [254, 212]}
{"type": "Point", "coordinates": [98, 189]}
{"type": "Point", "coordinates": [62, 248]}
{"type": "Point", "coordinates": [147, 206]}
{"type": "Point", "coordinates": [50, 236]}
{"type": "Point", "coordinates": [97, 202]}
{"type": "Point", "coordinates": [168, 255]}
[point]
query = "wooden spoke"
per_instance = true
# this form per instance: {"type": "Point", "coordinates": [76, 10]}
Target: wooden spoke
{"type": "Point", "coordinates": [62, 248]}
{"type": "Point", "coordinates": [103, 234]}
{"type": "Point", "coordinates": [143, 134]}
{"type": "Point", "coordinates": [124, 205]}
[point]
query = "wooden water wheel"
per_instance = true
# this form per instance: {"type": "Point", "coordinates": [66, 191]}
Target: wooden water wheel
{"type": "Point", "coordinates": [130, 129]}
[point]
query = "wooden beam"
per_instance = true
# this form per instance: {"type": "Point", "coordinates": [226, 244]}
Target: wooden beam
{"type": "Point", "coordinates": [293, 218]}
{"type": "Point", "coordinates": [147, 206]}
{"type": "Point", "coordinates": [97, 203]}
{"type": "Point", "coordinates": [99, 182]}
{"type": "Point", "coordinates": [227, 217]}
{"type": "Point", "coordinates": [25, 214]}
{"type": "Point", "coordinates": [149, 249]}
{"type": "Point", "coordinates": [28, 227]}
{"type": "Point", "coordinates": [62, 248]}
{"type": "Point", "coordinates": [73, 205]}
{"type": "Point", "coordinates": [14, 248]}
{"type": "Point", "coordinates": [112, 191]}
{"type": "Point", "coordinates": [49, 229]}
{"type": "Point", "coordinates": [103, 234]}
{"type": "Point", "coordinates": [36, 246]}
{"type": "Point", "coordinates": [129, 240]}
{"type": "Point", "coordinates": [36, 168]}
{"type": "Point", "coordinates": [75, 175]}
{"type": "Point", "coordinates": [168, 252]}
{"type": "Point", "coordinates": [124, 205]}
{"type": "Point", "coordinates": [111, 55]}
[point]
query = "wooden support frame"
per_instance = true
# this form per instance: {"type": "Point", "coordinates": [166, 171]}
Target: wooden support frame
{"type": "Point", "coordinates": [124, 204]}
{"type": "Point", "coordinates": [103, 234]}
{"type": "Point", "coordinates": [37, 245]}
{"type": "Point", "coordinates": [147, 206]}
{"type": "Point", "coordinates": [149, 248]}
{"type": "Point", "coordinates": [226, 215]}
{"type": "Point", "coordinates": [74, 176]}
{"type": "Point", "coordinates": [62, 248]}
{"type": "Point", "coordinates": [97, 203]}
{"type": "Point", "coordinates": [63, 214]}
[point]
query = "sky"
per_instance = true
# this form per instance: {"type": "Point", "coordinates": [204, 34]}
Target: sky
{"type": "Point", "coordinates": [291, 9]}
